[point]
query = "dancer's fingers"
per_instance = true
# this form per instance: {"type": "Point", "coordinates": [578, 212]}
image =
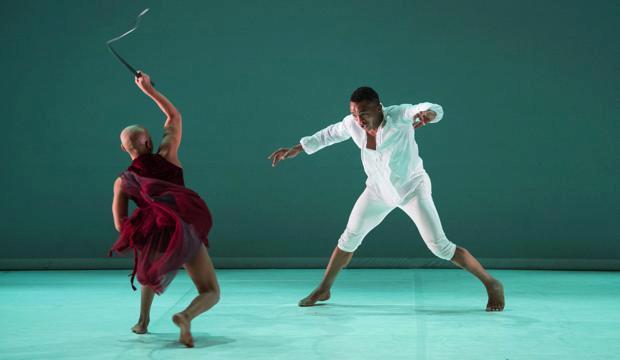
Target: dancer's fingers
{"type": "Point", "coordinates": [281, 156]}
{"type": "Point", "coordinates": [417, 120]}
{"type": "Point", "coordinates": [140, 78]}
{"type": "Point", "coordinates": [274, 153]}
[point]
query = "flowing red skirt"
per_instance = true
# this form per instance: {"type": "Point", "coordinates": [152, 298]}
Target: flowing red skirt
{"type": "Point", "coordinates": [165, 231]}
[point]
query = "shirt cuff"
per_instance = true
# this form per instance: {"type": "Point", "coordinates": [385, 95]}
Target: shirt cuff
{"type": "Point", "coordinates": [438, 110]}
{"type": "Point", "coordinates": [309, 144]}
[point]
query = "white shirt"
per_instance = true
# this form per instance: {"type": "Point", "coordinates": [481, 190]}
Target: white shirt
{"type": "Point", "coordinates": [394, 168]}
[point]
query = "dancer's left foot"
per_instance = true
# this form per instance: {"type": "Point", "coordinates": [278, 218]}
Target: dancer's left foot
{"type": "Point", "coordinates": [495, 290]}
{"type": "Point", "coordinates": [141, 327]}
{"type": "Point", "coordinates": [184, 325]}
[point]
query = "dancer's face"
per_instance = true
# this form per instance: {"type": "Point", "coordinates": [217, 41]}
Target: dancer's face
{"type": "Point", "coordinates": [367, 114]}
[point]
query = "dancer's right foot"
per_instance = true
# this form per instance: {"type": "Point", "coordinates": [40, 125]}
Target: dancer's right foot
{"type": "Point", "coordinates": [141, 327]}
{"type": "Point", "coordinates": [316, 295]}
{"type": "Point", "coordinates": [184, 325]}
{"type": "Point", "coordinates": [495, 290]}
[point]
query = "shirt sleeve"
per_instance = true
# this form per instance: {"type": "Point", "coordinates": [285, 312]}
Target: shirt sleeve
{"type": "Point", "coordinates": [411, 110]}
{"type": "Point", "coordinates": [332, 134]}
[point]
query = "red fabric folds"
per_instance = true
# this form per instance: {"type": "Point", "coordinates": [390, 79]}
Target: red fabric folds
{"type": "Point", "coordinates": [165, 230]}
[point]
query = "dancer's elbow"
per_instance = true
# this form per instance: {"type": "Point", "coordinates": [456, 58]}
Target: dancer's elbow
{"type": "Point", "coordinates": [118, 223]}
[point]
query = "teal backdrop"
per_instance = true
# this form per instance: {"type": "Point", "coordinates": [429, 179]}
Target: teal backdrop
{"type": "Point", "coordinates": [524, 165]}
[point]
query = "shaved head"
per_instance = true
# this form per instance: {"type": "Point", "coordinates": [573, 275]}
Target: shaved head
{"type": "Point", "coordinates": [136, 139]}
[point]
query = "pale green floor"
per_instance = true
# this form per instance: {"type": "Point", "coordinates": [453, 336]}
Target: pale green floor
{"type": "Point", "coordinates": [374, 314]}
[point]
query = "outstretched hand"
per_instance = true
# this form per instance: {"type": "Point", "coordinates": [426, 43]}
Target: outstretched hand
{"type": "Point", "coordinates": [284, 153]}
{"type": "Point", "coordinates": [423, 117]}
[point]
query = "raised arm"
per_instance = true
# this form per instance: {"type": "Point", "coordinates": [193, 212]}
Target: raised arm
{"type": "Point", "coordinates": [119, 205]}
{"type": "Point", "coordinates": [173, 126]}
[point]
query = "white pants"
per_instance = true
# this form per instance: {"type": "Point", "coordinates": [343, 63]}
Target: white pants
{"type": "Point", "coordinates": [370, 209]}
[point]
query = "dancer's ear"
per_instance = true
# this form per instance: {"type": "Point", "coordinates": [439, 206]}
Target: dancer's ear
{"type": "Point", "coordinates": [149, 144]}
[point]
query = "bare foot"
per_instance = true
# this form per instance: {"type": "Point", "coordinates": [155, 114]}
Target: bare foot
{"type": "Point", "coordinates": [140, 329]}
{"type": "Point", "coordinates": [495, 290]}
{"type": "Point", "coordinates": [184, 324]}
{"type": "Point", "coordinates": [141, 326]}
{"type": "Point", "coordinates": [316, 295]}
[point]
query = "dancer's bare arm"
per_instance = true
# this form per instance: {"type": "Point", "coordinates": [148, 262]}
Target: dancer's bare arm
{"type": "Point", "coordinates": [284, 153]}
{"type": "Point", "coordinates": [119, 205]}
{"type": "Point", "coordinates": [173, 126]}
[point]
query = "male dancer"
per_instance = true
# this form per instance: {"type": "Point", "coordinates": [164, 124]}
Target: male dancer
{"type": "Point", "coordinates": [170, 225]}
{"type": "Point", "coordinates": [396, 178]}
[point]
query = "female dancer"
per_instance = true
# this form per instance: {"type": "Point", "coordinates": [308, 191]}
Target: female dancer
{"type": "Point", "coordinates": [170, 225]}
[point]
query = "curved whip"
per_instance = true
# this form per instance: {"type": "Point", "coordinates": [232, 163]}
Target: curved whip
{"type": "Point", "coordinates": [117, 55]}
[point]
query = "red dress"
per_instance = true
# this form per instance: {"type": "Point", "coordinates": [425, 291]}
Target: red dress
{"type": "Point", "coordinates": [167, 227]}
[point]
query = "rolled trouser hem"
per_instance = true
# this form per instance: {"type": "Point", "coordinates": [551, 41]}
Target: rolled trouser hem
{"type": "Point", "coordinates": [344, 246]}
{"type": "Point", "coordinates": [447, 252]}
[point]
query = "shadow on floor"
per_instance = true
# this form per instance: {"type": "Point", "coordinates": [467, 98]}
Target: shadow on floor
{"type": "Point", "coordinates": [356, 310]}
{"type": "Point", "coordinates": [171, 340]}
